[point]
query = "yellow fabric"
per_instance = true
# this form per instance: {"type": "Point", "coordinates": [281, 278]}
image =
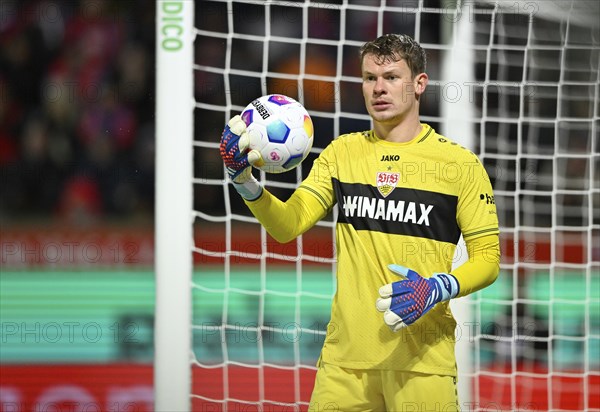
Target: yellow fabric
{"type": "Point", "coordinates": [482, 267]}
{"type": "Point", "coordinates": [404, 203]}
{"type": "Point", "coordinates": [351, 390]}
{"type": "Point", "coordinates": [287, 220]}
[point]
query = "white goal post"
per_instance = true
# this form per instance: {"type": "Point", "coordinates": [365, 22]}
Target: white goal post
{"type": "Point", "coordinates": [239, 321]}
{"type": "Point", "coordinates": [173, 240]}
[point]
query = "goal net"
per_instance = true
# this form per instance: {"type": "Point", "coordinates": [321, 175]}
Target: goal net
{"type": "Point", "coordinates": [515, 81]}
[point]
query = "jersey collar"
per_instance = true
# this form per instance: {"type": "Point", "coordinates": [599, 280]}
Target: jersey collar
{"type": "Point", "coordinates": [426, 131]}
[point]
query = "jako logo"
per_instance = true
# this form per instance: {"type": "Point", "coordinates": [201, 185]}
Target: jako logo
{"type": "Point", "coordinates": [389, 158]}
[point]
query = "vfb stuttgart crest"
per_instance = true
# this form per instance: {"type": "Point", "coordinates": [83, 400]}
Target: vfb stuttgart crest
{"type": "Point", "coordinates": [386, 182]}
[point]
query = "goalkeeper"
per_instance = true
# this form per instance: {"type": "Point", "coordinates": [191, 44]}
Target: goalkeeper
{"type": "Point", "coordinates": [404, 194]}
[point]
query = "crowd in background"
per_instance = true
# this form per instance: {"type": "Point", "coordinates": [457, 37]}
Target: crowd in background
{"type": "Point", "coordinates": [77, 97]}
{"type": "Point", "coordinates": [76, 109]}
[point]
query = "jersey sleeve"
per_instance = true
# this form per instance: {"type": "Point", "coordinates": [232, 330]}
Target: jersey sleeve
{"type": "Point", "coordinates": [319, 181]}
{"type": "Point", "coordinates": [286, 220]}
{"type": "Point", "coordinates": [309, 203]}
{"type": "Point", "coordinates": [476, 209]}
{"type": "Point", "coordinates": [482, 267]}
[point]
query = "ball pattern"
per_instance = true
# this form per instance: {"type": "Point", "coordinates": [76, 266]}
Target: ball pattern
{"type": "Point", "coordinates": [281, 129]}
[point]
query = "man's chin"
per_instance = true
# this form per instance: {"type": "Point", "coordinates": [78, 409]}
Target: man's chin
{"type": "Point", "coordinates": [384, 117]}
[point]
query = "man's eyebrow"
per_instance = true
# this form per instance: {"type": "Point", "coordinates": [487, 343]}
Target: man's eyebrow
{"type": "Point", "coordinates": [391, 71]}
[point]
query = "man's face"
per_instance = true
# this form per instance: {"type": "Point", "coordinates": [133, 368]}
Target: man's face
{"type": "Point", "coordinates": [389, 89]}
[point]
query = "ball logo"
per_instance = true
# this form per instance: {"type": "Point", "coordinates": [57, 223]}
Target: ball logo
{"type": "Point", "coordinates": [274, 156]}
{"type": "Point", "coordinates": [260, 109]}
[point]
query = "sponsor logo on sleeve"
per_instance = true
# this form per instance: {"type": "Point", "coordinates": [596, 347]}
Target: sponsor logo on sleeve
{"type": "Point", "coordinates": [489, 199]}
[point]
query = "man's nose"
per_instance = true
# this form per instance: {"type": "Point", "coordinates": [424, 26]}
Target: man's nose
{"type": "Point", "coordinates": [379, 86]}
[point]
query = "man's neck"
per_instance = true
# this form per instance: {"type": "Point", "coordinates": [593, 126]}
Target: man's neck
{"type": "Point", "coordinates": [401, 132]}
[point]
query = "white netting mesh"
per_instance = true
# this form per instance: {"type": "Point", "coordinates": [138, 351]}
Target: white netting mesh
{"type": "Point", "coordinates": [260, 309]}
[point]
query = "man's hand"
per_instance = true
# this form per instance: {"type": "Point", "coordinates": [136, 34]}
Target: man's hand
{"type": "Point", "coordinates": [233, 149]}
{"type": "Point", "coordinates": [405, 301]}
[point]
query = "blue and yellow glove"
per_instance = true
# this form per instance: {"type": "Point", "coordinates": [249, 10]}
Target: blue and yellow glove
{"type": "Point", "coordinates": [234, 150]}
{"type": "Point", "coordinates": [405, 301]}
{"type": "Point", "coordinates": [238, 159]}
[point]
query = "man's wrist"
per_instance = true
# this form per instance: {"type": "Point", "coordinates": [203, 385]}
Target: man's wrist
{"type": "Point", "coordinates": [251, 189]}
{"type": "Point", "coordinates": [449, 286]}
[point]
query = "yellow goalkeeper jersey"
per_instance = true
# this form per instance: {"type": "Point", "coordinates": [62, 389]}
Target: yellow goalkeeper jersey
{"type": "Point", "coordinates": [404, 203]}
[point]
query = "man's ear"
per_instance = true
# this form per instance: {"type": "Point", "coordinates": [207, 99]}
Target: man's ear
{"type": "Point", "coordinates": [420, 83]}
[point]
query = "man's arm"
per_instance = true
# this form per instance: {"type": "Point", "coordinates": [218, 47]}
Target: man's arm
{"type": "Point", "coordinates": [483, 266]}
{"type": "Point", "coordinates": [406, 301]}
{"type": "Point", "coordinates": [287, 220]}
{"type": "Point", "coordinates": [282, 220]}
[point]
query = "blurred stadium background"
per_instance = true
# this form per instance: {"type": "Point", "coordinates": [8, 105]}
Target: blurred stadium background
{"type": "Point", "coordinates": [77, 216]}
{"type": "Point", "coordinates": [76, 204]}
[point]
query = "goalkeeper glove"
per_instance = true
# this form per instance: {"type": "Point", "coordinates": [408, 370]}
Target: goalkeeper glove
{"type": "Point", "coordinates": [405, 301]}
{"type": "Point", "coordinates": [237, 158]}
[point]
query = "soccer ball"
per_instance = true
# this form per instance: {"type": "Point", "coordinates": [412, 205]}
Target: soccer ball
{"type": "Point", "coordinates": [279, 128]}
